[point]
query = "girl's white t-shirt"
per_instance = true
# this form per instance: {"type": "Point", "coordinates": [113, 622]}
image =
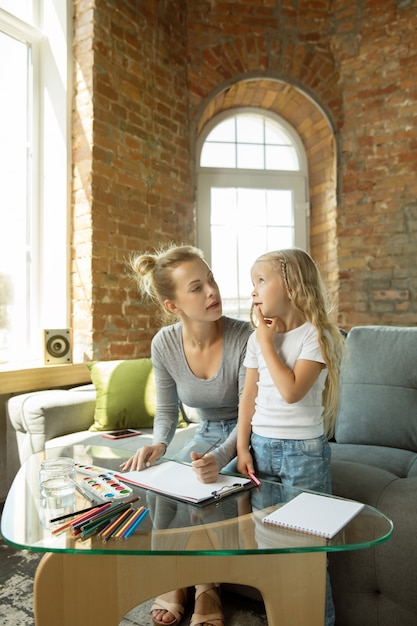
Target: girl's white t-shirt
{"type": "Point", "coordinates": [274, 418]}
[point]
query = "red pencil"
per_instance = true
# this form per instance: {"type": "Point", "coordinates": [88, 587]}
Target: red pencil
{"type": "Point", "coordinates": [81, 517]}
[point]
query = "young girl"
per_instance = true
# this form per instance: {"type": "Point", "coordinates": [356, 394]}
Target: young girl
{"type": "Point", "coordinates": [288, 405]}
{"type": "Point", "coordinates": [197, 360]}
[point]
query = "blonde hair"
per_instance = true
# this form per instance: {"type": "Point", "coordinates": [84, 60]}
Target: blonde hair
{"type": "Point", "coordinates": [152, 273]}
{"type": "Point", "coordinates": [307, 292]}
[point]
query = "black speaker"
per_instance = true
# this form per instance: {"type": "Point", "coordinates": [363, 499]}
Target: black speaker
{"type": "Point", "coordinates": [57, 346]}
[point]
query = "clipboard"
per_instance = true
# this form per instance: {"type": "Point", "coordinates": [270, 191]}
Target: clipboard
{"type": "Point", "coordinates": [179, 481]}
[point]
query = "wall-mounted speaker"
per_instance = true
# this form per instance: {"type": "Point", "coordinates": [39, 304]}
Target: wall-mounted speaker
{"type": "Point", "coordinates": [57, 346]}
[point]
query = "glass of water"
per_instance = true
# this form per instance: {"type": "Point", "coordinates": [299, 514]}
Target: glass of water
{"type": "Point", "coordinates": [57, 488]}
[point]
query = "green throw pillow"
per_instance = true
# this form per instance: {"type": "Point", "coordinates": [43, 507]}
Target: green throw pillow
{"type": "Point", "coordinates": [126, 395]}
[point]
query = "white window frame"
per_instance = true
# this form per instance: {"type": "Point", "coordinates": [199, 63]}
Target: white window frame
{"type": "Point", "coordinates": [251, 179]}
{"type": "Point", "coordinates": [50, 38]}
{"type": "Point", "coordinates": [210, 177]}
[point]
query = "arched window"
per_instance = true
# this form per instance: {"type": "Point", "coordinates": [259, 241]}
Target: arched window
{"type": "Point", "coordinates": [251, 197]}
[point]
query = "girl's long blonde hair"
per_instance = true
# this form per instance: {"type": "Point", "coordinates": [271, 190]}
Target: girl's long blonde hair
{"type": "Point", "coordinates": [308, 294]}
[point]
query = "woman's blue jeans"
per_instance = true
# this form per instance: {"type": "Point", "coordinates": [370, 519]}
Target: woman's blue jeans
{"type": "Point", "coordinates": [301, 463]}
{"type": "Point", "coordinates": [207, 432]}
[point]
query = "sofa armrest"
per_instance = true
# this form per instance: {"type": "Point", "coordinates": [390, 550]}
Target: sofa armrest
{"type": "Point", "coordinates": [42, 415]}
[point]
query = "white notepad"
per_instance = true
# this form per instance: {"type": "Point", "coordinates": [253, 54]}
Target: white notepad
{"type": "Point", "coordinates": [314, 514]}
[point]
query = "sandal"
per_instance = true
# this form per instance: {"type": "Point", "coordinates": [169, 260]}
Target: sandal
{"type": "Point", "coordinates": [175, 608]}
{"type": "Point", "coordinates": [214, 619]}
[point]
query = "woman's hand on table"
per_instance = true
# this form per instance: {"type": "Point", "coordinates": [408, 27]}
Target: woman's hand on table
{"type": "Point", "coordinates": [144, 457]}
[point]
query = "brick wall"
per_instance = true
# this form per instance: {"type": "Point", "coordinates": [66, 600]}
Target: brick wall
{"type": "Point", "coordinates": [132, 174]}
{"type": "Point", "coordinates": [149, 75]}
{"type": "Point", "coordinates": [355, 62]}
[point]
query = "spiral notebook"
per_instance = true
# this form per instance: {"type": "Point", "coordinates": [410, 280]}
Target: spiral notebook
{"type": "Point", "coordinates": [315, 514]}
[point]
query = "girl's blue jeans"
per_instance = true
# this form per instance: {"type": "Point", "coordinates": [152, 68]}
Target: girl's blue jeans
{"type": "Point", "coordinates": [302, 463]}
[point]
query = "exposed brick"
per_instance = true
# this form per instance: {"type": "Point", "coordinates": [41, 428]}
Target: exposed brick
{"type": "Point", "coordinates": [149, 76]}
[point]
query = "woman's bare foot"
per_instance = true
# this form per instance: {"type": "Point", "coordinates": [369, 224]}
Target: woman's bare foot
{"type": "Point", "coordinates": [208, 608]}
{"type": "Point", "coordinates": [168, 608]}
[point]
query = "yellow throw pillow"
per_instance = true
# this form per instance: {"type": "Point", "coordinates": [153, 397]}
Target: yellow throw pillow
{"type": "Point", "coordinates": [126, 394]}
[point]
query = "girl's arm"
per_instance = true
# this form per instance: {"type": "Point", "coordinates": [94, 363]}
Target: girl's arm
{"type": "Point", "coordinates": [291, 384]}
{"type": "Point", "coordinates": [244, 428]}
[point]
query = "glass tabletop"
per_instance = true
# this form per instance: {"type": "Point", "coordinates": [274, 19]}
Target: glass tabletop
{"type": "Point", "coordinates": [232, 525]}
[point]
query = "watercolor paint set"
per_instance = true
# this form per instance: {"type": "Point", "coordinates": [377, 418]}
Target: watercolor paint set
{"type": "Point", "coordinates": [105, 487]}
{"type": "Point", "coordinates": [92, 470]}
{"type": "Point", "coordinates": [102, 483]}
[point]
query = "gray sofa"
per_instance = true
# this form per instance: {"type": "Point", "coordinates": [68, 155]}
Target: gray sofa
{"type": "Point", "coordinates": [374, 460]}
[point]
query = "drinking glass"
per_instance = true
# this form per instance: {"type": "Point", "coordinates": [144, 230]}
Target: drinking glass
{"type": "Point", "coordinates": [57, 488]}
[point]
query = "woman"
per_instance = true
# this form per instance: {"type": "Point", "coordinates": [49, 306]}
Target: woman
{"type": "Point", "coordinates": [198, 361]}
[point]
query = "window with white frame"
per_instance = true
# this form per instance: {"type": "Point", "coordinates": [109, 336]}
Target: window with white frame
{"type": "Point", "coordinates": [34, 174]}
{"type": "Point", "coordinates": [251, 197]}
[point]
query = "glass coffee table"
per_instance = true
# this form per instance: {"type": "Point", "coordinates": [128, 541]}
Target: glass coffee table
{"type": "Point", "coordinates": [81, 582]}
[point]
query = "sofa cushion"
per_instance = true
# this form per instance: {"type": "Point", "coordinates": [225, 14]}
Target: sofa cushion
{"type": "Point", "coordinates": [126, 396]}
{"type": "Point", "coordinates": [41, 415]}
{"type": "Point", "coordinates": [379, 388]}
{"type": "Point", "coordinates": [401, 463]}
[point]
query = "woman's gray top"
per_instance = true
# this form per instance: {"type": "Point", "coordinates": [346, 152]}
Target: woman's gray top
{"type": "Point", "coordinates": [216, 398]}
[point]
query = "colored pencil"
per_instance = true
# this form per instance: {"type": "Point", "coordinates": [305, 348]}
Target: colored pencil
{"type": "Point", "coordinates": [113, 509]}
{"type": "Point", "coordinates": [138, 514]}
{"type": "Point", "coordinates": [253, 477]}
{"type": "Point", "coordinates": [107, 515]}
{"type": "Point", "coordinates": [77, 523]}
{"type": "Point", "coordinates": [126, 524]}
{"type": "Point", "coordinates": [114, 525]}
{"type": "Point", "coordinates": [135, 523]}
{"type": "Point", "coordinates": [76, 513]}
{"type": "Point", "coordinates": [81, 518]}
{"type": "Point", "coordinates": [92, 531]}
{"type": "Point", "coordinates": [213, 445]}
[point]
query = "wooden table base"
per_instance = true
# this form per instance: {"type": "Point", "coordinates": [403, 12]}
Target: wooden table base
{"type": "Point", "coordinates": [85, 589]}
